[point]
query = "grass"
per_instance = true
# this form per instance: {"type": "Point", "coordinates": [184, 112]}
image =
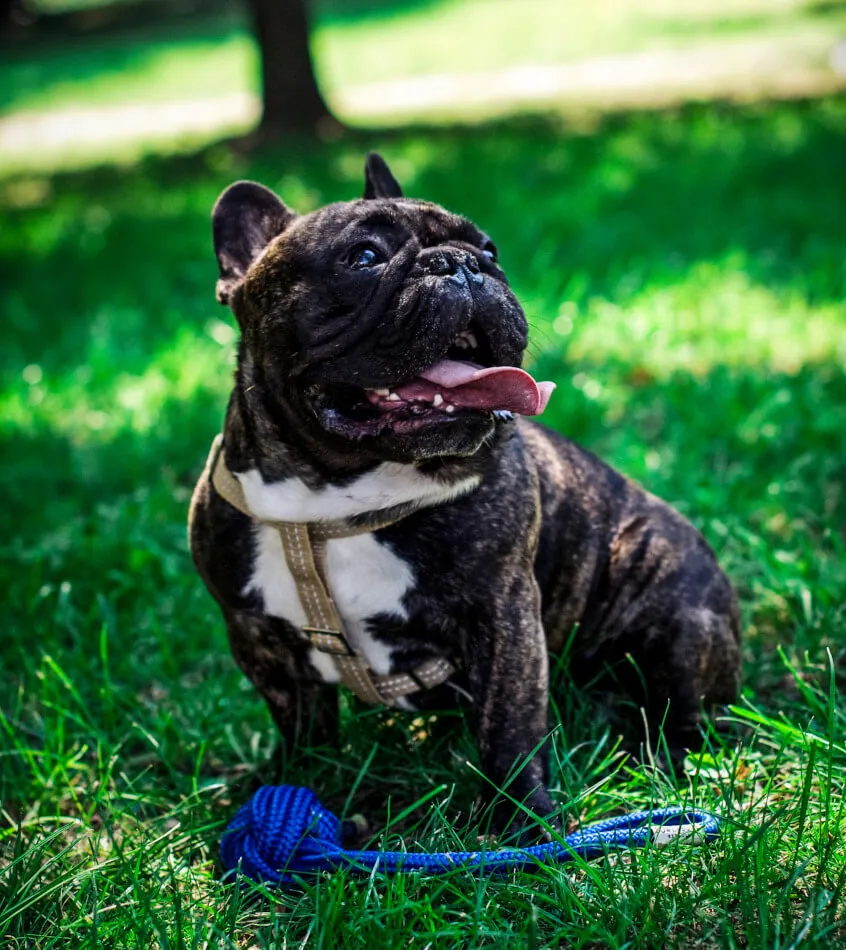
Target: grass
{"type": "Point", "coordinates": [683, 272]}
{"type": "Point", "coordinates": [168, 82]}
{"type": "Point", "coordinates": [363, 42]}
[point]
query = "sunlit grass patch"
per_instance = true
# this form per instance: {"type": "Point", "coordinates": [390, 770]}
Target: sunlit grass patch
{"type": "Point", "coordinates": [713, 315]}
{"type": "Point", "coordinates": [94, 404]}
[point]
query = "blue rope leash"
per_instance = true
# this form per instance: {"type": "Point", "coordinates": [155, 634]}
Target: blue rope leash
{"type": "Point", "coordinates": [283, 831]}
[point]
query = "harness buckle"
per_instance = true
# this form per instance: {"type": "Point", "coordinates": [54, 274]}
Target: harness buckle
{"type": "Point", "coordinates": [337, 644]}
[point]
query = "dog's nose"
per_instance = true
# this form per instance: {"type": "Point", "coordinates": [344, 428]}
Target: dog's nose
{"type": "Point", "coordinates": [468, 269]}
{"type": "Point", "coordinates": [441, 263]}
{"type": "Point", "coordinates": [470, 263]}
{"type": "Point", "coordinates": [454, 263]}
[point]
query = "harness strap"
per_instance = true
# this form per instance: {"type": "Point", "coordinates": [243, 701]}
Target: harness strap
{"type": "Point", "coordinates": [304, 546]}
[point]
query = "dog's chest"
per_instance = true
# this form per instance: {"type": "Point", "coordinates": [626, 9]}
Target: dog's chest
{"type": "Point", "coordinates": [365, 579]}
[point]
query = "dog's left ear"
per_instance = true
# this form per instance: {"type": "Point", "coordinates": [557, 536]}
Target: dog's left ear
{"type": "Point", "coordinates": [378, 180]}
{"type": "Point", "coordinates": [246, 218]}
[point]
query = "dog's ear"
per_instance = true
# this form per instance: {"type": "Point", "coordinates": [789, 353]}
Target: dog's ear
{"type": "Point", "coordinates": [245, 220]}
{"type": "Point", "coordinates": [378, 180]}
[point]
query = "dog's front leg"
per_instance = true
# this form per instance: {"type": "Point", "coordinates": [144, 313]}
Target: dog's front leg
{"type": "Point", "coordinates": [506, 661]}
{"type": "Point", "coordinates": [265, 648]}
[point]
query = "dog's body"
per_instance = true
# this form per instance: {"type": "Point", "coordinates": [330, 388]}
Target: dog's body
{"type": "Point", "coordinates": [506, 540]}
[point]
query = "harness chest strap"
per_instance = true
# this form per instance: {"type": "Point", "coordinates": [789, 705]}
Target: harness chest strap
{"type": "Point", "coordinates": [304, 546]}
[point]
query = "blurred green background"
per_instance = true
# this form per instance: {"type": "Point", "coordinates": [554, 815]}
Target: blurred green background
{"type": "Point", "coordinates": [89, 80]}
{"type": "Point", "coordinates": [666, 184]}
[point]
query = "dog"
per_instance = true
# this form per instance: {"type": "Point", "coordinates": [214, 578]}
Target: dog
{"type": "Point", "coordinates": [381, 512]}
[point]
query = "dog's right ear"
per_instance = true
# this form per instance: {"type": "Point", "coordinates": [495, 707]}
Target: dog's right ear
{"type": "Point", "coordinates": [245, 220]}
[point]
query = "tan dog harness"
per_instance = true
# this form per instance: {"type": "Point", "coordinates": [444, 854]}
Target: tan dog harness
{"type": "Point", "coordinates": [304, 546]}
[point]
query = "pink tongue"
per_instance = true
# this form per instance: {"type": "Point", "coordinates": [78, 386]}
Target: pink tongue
{"type": "Point", "coordinates": [496, 387]}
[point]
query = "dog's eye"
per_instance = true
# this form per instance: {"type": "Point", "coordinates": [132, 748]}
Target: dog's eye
{"type": "Point", "coordinates": [363, 256]}
{"type": "Point", "coordinates": [490, 251]}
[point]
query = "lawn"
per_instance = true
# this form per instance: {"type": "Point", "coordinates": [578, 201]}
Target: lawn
{"type": "Point", "coordinates": [381, 62]}
{"type": "Point", "coordinates": [359, 42]}
{"type": "Point", "coordinates": [684, 276]}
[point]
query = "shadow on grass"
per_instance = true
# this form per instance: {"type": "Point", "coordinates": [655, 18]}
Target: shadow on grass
{"type": "Point", "coordinates": [78, 47]}
{"type": "Point", "coordinates": [55, 56]}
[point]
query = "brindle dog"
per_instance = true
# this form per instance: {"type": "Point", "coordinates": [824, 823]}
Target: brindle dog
{"type": "Point", "coordinates": [377, 380]}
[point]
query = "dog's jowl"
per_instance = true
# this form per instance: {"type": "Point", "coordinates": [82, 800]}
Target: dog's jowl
{"type": "Point", "coordinates": [380, 513]}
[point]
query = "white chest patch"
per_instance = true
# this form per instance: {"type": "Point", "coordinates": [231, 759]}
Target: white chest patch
{"type": "Point", "coordinates": [364, 577]}
{"type": "Point", "coordinates": [388, 485]}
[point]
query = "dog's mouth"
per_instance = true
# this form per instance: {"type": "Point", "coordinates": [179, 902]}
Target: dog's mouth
{"type": "Point", "coordinates": [463, 383]}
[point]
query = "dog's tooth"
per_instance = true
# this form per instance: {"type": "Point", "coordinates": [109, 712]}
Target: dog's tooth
{"type": "Point", "coordinates": [380, 392]}
{"type": "Point", "coordinates": [449, 408]}
{"type": "Point", "coordinates": [438, 399]}
{"type": "Point", "coordinates": [393, 397]}
{"type": "Point", "coordinates": [461, 343]}
{"type": "Point", "coordinates": [471, 341]}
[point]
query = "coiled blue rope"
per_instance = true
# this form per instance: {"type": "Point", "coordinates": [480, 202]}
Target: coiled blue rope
{"type": "Point", "coordinates": [283, 831]}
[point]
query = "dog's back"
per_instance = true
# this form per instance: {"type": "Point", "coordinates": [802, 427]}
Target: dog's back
{"type": "Point", "coordinates": [636, 580]}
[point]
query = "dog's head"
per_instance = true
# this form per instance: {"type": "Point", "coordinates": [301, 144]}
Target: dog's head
{"type": "Point", "coordinates": [383, 327]}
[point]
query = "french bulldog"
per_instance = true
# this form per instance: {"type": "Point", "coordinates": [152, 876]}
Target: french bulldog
{"type": "Point", "coordinates": [379, 395]}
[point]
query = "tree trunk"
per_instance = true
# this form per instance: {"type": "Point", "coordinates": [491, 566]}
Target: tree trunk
{"type": "Point", "coordinates": [291, 98]}
{"type": "Point", "coordinates": [12, 15]}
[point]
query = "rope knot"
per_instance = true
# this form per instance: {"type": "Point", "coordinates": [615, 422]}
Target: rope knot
{"type": "Point", "coordinates": [277, 831]}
